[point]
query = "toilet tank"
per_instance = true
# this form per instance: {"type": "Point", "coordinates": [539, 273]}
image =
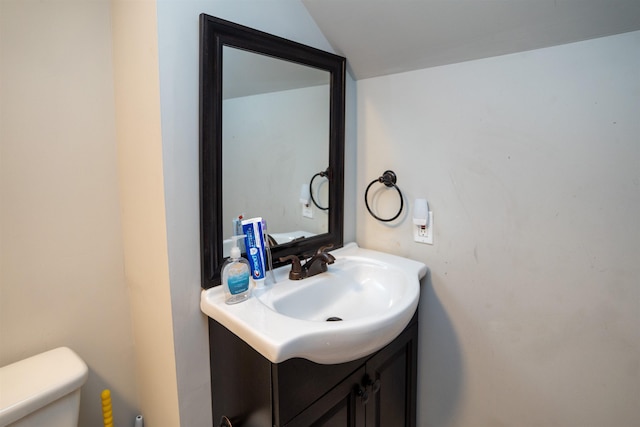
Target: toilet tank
{"type": "Point", "coordinates": [43, 390]}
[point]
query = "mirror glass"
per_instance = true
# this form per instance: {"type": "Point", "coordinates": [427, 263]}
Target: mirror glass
{"type": "Point", "coordinates": [271, 123]}
{"type": "Point", "coordinates": [275, 130]}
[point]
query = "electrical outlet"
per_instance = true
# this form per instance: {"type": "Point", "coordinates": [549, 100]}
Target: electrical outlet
{"type": "Point", "coordinates": [307, 212]}
{"type": "Point", "coordinates": [424, 234]}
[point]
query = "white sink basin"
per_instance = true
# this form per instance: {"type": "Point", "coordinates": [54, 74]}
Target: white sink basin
{"type": "Point", "coordinates": [353, 288]}
{"type": "Point", "coordinates": [357, 307]}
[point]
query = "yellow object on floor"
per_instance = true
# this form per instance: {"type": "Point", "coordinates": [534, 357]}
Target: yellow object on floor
{"type": "Point", "coordinates": [107, 413]}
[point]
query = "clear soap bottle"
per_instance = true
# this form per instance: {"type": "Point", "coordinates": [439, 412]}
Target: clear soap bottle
{"type": "Point", "coordinates": [236, 278]}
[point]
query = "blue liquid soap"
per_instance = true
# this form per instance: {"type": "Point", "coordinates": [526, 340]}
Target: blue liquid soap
{"type": "Point", "coordinates": [236, 277]}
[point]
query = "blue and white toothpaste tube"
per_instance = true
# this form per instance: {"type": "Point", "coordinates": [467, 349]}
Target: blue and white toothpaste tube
{"type": "Point", "coordinates": [254, 242]}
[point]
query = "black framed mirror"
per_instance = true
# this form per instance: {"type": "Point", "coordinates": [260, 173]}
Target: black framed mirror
{"type": "Point", "coordinates": [271, 118]}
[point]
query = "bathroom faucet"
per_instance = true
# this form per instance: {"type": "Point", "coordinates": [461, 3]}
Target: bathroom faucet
{"type": "Point", "coordinates": [315, 265]}
{"type": "Point", "coordinates": [318, 263]}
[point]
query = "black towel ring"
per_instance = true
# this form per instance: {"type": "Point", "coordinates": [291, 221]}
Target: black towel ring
{"type": "Point", "coordinates": [389, 179]}
{"type": "Point", "coordinates": [321, 174]}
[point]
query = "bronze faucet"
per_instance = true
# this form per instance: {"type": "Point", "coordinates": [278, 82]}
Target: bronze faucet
{"type": "Point", "coordinates": [315, 265]}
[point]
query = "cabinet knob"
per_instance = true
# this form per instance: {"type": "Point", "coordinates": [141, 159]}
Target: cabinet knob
{"type": "Point", "coordinates": [375, 387]}
{"type": "Point", "coordinates": [362, 389]}
{"type": "Point", "coordinates": [368, 383]}
{"type": "Point", "coordinates": [363, 394]}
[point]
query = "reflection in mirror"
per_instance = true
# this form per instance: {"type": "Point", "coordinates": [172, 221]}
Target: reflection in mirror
{"type": "Point", "coordinates": [271, 118]}
{"type": "Point", "coordinates": [275, 137]}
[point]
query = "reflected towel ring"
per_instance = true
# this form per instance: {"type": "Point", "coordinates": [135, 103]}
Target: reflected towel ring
{"type": "Point", "coordinates": [323, 174]}
{"type": "Point", "coordinates": [389, 179]}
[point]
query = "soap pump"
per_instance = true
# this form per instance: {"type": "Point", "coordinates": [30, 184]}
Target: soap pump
{"type": "Point", "coordinates": [235, 275]}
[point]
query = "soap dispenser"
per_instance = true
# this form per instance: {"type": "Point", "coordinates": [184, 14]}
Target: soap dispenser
{"type": "Point", "coordinates": [235, 275]}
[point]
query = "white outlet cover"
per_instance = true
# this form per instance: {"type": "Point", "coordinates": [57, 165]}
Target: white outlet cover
{"type": "Point", "coordinates": [424, 237]}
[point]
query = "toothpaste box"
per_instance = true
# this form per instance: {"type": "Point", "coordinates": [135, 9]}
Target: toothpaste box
{"type": "Point", "coordinates": [254, 243]}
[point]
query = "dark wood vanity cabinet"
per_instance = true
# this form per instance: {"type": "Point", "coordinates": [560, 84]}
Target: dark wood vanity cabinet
{"type": "Point", "coordinates": [378, 390]}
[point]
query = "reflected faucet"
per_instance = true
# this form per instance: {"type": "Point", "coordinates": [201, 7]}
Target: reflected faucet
{"type": "Point", "coordinates": [315, 265]}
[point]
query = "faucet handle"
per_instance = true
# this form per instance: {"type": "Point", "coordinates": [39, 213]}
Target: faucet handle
{"type": "Point", "coordinates": [296, 268]}
{"type": "Point", "coordinates": [323, 249]}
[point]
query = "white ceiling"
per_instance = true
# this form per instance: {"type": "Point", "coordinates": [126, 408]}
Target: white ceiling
{"type": "Point", "coordinates": [380, 37]}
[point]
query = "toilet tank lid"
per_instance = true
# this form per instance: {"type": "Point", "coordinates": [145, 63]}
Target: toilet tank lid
{"type": "Point", "coordinates": [30, 384]}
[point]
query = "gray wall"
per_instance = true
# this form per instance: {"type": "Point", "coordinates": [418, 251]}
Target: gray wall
{"type": "Point", "coordinates": [531, 164]}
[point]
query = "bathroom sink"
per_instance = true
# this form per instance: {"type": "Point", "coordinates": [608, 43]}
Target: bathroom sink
{"type": "Point", "coordinates": [357, 307]}
{"type": "Point", "coordinates": [353, 288]}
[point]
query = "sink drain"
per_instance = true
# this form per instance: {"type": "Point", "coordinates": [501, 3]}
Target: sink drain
{"type": "Point", "coordinates": [334, 319]}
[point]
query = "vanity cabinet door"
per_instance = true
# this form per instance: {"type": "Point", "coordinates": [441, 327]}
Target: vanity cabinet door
{"type": "Point", "coordinates": [240, 380]}
{"type": "Point", "coordinates": [375, 391]}
{"type": "Point", "coordinates": [381, 393]}
{"type": "Point", "coordinates": [341, 407]}
{"type": "Point", "coordinates": [391, 381]}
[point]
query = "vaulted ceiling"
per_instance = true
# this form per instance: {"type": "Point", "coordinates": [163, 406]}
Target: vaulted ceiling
{"type": "Point", "coordinates": [381, 37]}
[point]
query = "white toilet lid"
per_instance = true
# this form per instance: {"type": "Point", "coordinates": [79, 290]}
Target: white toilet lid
{"type": "Point", "coordinates": [30, 384]}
